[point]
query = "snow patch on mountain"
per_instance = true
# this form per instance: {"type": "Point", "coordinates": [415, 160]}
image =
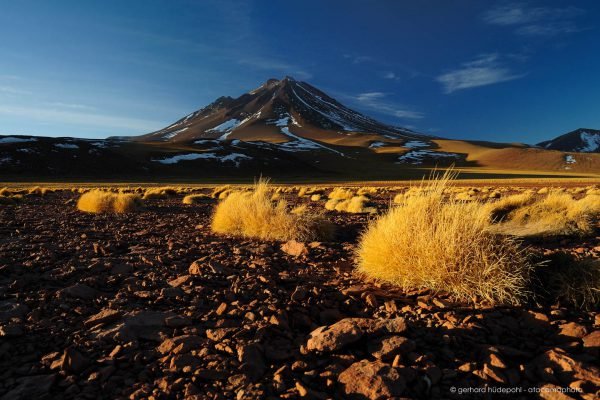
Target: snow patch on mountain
{"type": "Point", "coordinates": [174, 133]}
{"type": "Point", "coordinates": [413, 144]}
{"type": "Point", "coordinates": [67, 146]}
{"type": "Point", "coordinates": [569, 159]}
{"type": "Point", "coordinates": [184, 157]}
{"type": "Point", "coordinates": [417, 156]}
{"type": "Point", "coordinates": [591, 142]}
{"type": "Point", "coordinates": [376, 145]}
{"type": "Point", "coordinates": [236, 158]}
{"type": "Point", "coordinates": [9, 139]}
{"type": "Point", "coordinates": [226, 127]}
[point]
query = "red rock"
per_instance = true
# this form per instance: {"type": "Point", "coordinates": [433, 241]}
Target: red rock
{"type": "Point", "coordinates": [181, 361]}
{"type": "Point", "coordinates": [372, 380]}
{"type": "Point", "coordinates": [180, 344]}
{"type": "Point", "coordinates": [72, 361]}
{"type": "Point", "coordinates": [591, 342]}
{"type": "Point", "coordinates": [572, 330]}
{"type": "Point", "coordinates": [495, 373]}
{"type": "Point", "coordinates": [294, 248]}
{"type": "Point", "coordinates": [180, 281]}
{"type": "Point", "coordinates": [221, 309]}
{"type": "Point", "coordinates": [103, 317]}
{"type": "Point", "coordinates": [566, 368]}
{"type": "Point", "coordinates": [388, 347]}
{"type": "Point", "coordinates": [334, 337]}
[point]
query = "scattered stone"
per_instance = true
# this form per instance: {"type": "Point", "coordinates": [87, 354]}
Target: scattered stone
{"type": "Point", "coordinates": [294, 248]}
{"type": "Point", "coordinates": [71, 361]}
{"type": "Point", "coordinates": [373, 380]}
{"type": "Point", "coordinates": [387, 348]}
{"type": "Point", "coordinates": [180, 344]}
{"type": "Point", "coordinates": [572, 330]}
{"type": "Point", "coordinates": [334, 337]}
{"type": "Point", "coordinates": [105, 316]}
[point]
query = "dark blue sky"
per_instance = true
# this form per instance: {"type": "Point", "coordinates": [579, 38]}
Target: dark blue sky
{"type": "Point", "coordinates": [503, 71]}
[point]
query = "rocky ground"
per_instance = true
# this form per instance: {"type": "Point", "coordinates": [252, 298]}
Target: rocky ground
{"type": "Point", "coordinates": [152, 305]}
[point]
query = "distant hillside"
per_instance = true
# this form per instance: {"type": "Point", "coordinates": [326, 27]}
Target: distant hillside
{"type": "Point", "coordinates": [581, 140]}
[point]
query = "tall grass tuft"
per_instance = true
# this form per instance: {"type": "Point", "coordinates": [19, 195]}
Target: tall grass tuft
{"type": "Point", "coordinates": [444, 245]}
{"type": "Point", "coordinates": [254, 214]}
{"type": "Point", "coordinates": [556, 214]}
{"type": "Point", "coordinates": [97, 201]}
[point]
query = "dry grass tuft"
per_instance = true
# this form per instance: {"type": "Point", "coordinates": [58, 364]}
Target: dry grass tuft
{"type": "Point", "coordinates": [159, 193]}
{"type": "Point", "coordinates": [556, 214]}
{"type": "Point", "coordinates": [427, 242]}
{"type": "Point", "coordinates": [253, 214]}
{"type": "Point", "coordinates": [315, 197]}
{"type": "Point", "coordinates": [38, 191]}
{"type": "Point", "coordinates": [219, 190]}
{"type": "Point", "coordinates": [341, 194]}
{"type": "Point", "coordinates": [97, 201]}
{"type": "Point", "coordinates": [355, 205]}
{"type": "Point", "coordinates": [498, 210]}
{"type": "Point", "coordinates": [196, 199]}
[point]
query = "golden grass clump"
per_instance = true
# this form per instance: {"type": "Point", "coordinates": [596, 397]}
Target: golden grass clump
{"type": "Point", "coordinates": [159, 193]}
{"type": "Point", "coordinates": [355, 205]}
{"type": "Point", "coordinates": [196, 199]}
{"type": "Point", "coordinates": [98, 201]}
{"type": "Point", "coordinates": [254, 214]}
{"type": "Point", "coordinates": [39, 191]}
{"type": "Point", "coordinates": [444, 245]}
{"type": "Point", "coordinates": [339, 193]}
{"type": "Point", "coordinates": [498, 210]}
{"type": "Point", "coordinates": [315, 197]}
{"type": "Point", "coordinates": [556, 214]}
{"type": "Point", "coordinates": [367, 191]}
{"type": "Point", "coordinates": [218, 190]}
{"type": "Point", "coordinates": [595, 191]}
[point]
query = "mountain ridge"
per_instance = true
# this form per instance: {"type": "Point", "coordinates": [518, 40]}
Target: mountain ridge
{"type": "Point", "coordinates": [581, 140]}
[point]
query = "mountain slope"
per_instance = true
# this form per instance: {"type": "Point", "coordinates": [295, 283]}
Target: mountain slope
{"type": "Point", "coordinates": [281, 111]}
{"type": "Point", "coordinates": [581, 140]}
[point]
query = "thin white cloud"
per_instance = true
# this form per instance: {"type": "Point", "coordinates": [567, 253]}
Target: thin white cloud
{"type": "Point", "coordinates": [535, 21]}
{"type": "Point", "coordinates": [73, 106]}
{"type": "Point", "coordinates": [376, 101]}
{"type": "Point", "coordinates": [81, 118]}
{"type": "Point", "coordinates": [390, 75]}
{"type": "Point", "coordinates": [13, 90]}
{"type": "Point", "coordinates": [482, 71]}
{"type": "Point", "coordinates": [548, 29]}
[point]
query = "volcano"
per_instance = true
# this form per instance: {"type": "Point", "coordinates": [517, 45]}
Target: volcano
{"type": "Point", "coordinates": [288, 112]}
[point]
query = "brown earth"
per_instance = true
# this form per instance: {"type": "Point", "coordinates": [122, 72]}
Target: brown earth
{"type": "Point", "coordinates": [152, 305]}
